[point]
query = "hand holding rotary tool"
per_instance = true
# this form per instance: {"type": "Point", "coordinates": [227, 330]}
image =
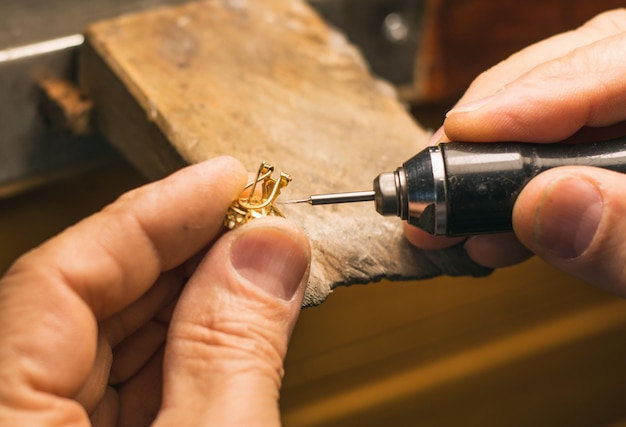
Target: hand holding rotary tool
{"type": "Point", "coordinates": [558, 90]}
{"type": "Point", "coordinates": [569, 88]}
{"type": "Point", "coordinates": [459, 189]}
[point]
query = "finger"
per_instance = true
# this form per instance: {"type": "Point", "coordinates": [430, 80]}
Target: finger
{"type": "Point", "coordinates": [122, 325]}
{"type": "Point", "coordinates": [47, 348]}
{"type": "Point", "coordinates": [573, 218]}
{"type": "Point", "coordinates": [156, 227]}
{"type": "Point", "coordinates": [51, 298]}
{"type": "Point", "coordinates": [133, 353]}
{"type": "Point", "coordinates": [228, 336]}
{"type": "Point", "coordinates": [598, 28]}
{"type": "Point", "coordinates": [96, 383]}
{"type": "Point", "coordinates": [106, 413]}
{"type": "Point", "coordinates": [497, 250]}
{"type": "Point", "coordinates": [140, 397]}
{"type": "Point", "coordinates": [134, 338]}
{"type": "Point", "coordinates": [574, 81]}
{"type": "Point", "coordinates": [467, 121]}
{"type": "Point", "coordinates": [424, 240]}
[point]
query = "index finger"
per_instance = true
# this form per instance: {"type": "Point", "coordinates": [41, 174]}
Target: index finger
{"type": "Point", "coordinates": [114, 256]}
{"type": "Point", "coordinates": [600, 27]}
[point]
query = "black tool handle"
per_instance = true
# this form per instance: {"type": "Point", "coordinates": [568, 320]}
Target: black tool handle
{"type": "Point", "coordinates": [483, 180]}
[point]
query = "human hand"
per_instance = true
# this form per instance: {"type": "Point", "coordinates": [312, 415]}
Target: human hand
{"type": "Point", "coordinates": [85, 316]}
{"type": "Point", "coordinates": [568, 87]}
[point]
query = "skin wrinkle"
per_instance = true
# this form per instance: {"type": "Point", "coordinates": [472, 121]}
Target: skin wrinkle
{"type": "Point", "coordinates": [136, 223]}
{"type": "Point", "coordinates": [35, 380]}
{"type": "Point", "coordinates": [149, 240]}
{"type": "Point", "coordinates": [582, 61]}
{"type": "Point", "coordinates": [93, 297]}
{"type": "Point", "coordinates": [515, 120]}
{"type": "Point", "coordinates": [51, 410]}
{"type": "Point", "coordinates": [598, 116]}
{"type": "Point", "coordinates": [218, 330]}
{"type": "Point", "coordinates": [613, 21]}
{"type": "Point", "coordinates": [586, 64]}
{"type": "Point", "coordinates": [246, 324]}
{"type": "Point", "coordinates": [229, 363]}
{"type": "Point", "coordinates": [236, 335]}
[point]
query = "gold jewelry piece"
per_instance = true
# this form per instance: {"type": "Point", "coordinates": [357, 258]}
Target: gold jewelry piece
{"type": "Point", "coordinates": [253, 205]}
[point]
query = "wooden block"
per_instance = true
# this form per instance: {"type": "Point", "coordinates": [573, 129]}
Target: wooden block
{"type": "Point", "coordinates": [265, 80]}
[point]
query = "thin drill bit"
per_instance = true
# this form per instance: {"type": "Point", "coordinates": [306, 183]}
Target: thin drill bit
{"type": "Point", "coordinates": [334, 198]}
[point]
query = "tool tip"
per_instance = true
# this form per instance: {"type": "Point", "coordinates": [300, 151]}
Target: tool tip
{"type": "Point", "coordinates": [289, 202]}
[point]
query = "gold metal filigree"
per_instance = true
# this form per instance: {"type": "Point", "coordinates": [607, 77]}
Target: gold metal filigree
{"type": "Point", "coordinates": [251, 204]}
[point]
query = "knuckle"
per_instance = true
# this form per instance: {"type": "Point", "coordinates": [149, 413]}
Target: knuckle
{"type": "Point", "coordinates": [229, 345]}
{"type": "Point", "coordinates": [607, 22]}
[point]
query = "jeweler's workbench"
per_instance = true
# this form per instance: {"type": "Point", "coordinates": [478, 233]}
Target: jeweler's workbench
{"type": "Point", "coordinates": [268, 80]}
{"type": "Point", "coordinates": [265, 80]}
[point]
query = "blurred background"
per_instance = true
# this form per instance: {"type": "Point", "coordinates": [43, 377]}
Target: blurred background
{"type": "Point", "coordinates": [525, 346]}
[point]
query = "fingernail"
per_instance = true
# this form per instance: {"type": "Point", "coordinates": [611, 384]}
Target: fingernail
{"type": "Point", "coordinates": [270, 259]}
{"type": "Point", "coordinates": [470, 106]}
{"type": "Point", "coordinates": [568, 218]}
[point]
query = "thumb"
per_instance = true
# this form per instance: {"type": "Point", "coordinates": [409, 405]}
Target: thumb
{"type": "Point", "coordinates": [229, 332]}
{"type": "Point", "coordinates": [573, 217]}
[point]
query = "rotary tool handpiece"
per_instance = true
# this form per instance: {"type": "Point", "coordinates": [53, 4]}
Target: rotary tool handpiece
{"type": "Point", "coordinates": [458, 189]}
